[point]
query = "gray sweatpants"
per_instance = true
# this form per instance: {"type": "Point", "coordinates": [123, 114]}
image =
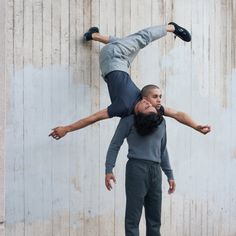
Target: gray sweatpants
{"type": "Point", "coordinates": [143, 186]}
{"type": "Point", "coordinates": [120, 52]}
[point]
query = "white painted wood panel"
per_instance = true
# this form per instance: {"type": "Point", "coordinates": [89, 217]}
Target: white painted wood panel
{"type": "Point", "coordinates": [15, 131]}
{"type": "Point", "coordinates": [107, 200]}
{"type": "Point", "coordinates": [2, 114]}
{"type": "Point", "coordinates": [50, 77]}
{"type": "Point", "coordinates": [9, 169]}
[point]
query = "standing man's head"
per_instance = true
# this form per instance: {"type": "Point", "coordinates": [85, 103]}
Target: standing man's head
{"type": "Point", "coordinates": [147, 117]}
{"type": "Point", "coordinates": [151, 99]}
{"type": "Point", "coordinates": [153, 94]}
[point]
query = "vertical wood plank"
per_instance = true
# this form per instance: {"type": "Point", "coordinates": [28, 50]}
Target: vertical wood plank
{"type": "Point", "coordinates": [232, 228]}
{"type": "Point", "coordinates": [179, 54]}
{"type": "Point", "coordinates": [33, 110]}
{"type": "Point", "coordinates": [2, 114]}
{"type": "Point", "coordinates": [59, 98]}
{"type": "Point", "coordinates": [47, 33]}
{"type": "Point", "coordinates": [37, 33]}
{"type": "Point", "coordinates": [19, 80]}
{"type": "Point", "coordinates": [15, 155]}
{"type": "Point", "coordinates": [65, 27]}
{"type": "Point", "coordinates": [199, 90]}
{"type": "Point", "coordinates": [28, 61]}
{"type": "Point", "coordinates": [34, 89]}
{"type": "Point", "coordinates": [76, 166]}
{"type": "Point", "coordinates": [213, 73]}
{"type": "Point", "coordinates": [28, 96]}
{"type": "Point", "coordinates": [47, 184]}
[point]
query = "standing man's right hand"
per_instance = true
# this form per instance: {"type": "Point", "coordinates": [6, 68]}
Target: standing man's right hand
{"type": "Point", "coordinates": [58, 132]}
{"type": "Point", "coordinates": [172, 186]}
{"type": "Point", "coordinates": [108, 178]}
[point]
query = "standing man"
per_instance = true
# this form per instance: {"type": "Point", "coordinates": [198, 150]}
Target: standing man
{"type": "Point", "coordinates": [115, 59]}
{"type": "Point", "coordinates": [143, 182]}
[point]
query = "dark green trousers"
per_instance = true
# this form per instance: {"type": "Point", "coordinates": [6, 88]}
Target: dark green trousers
{"type": "Point", "coordinates": [143, 185]}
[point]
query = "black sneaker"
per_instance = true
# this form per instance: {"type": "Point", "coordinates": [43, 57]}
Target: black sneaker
{"type": "Point", "coordinates": [88, 34]}
{"type": "Point", "coordinates": [181, 32]}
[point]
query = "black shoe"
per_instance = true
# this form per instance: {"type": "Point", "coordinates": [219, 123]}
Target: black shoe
{"type": "Point", "coordinates": [181, 32]}
{"type": "Point", "coordinates": [88, 34]}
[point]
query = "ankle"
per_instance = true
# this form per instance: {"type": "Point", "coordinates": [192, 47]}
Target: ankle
{"type": "Point", "coordinates": [95, 36]}
{"type": "Point", "coordinates": [170, 28]}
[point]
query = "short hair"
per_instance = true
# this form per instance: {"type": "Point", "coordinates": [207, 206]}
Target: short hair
{"type": "Point", "coordinates": [147, 123]}
{"type": "Point", "coordinates": [146, 89]}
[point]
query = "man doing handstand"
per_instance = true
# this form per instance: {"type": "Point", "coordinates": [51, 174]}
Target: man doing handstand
{"type": "Point", "coordinates": [115, 59]}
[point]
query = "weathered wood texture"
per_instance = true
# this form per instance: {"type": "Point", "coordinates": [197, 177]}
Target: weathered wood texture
{"type": "Point", "coordinates": [49, 77]}
{"type": "Point", "coordinates": [2, 115]}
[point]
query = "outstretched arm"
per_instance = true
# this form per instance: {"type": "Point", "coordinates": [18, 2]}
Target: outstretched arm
{"type": "Point", "coordinates": [61, 131]}
{"type": "Point", "coordinates": [186, 120]}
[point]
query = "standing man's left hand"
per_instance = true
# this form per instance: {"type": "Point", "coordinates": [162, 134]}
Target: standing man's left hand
{"type": "Point", "coordinates": [172, 186]}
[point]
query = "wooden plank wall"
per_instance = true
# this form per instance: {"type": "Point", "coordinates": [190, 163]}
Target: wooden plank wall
{"type": "Point", "coordinates": [2, 115]}
{"type": "Point", "coordinates": [50, 77]}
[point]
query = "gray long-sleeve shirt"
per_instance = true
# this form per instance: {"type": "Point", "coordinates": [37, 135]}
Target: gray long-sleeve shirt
{"type": "Point", "coordinates": [150, 147]}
